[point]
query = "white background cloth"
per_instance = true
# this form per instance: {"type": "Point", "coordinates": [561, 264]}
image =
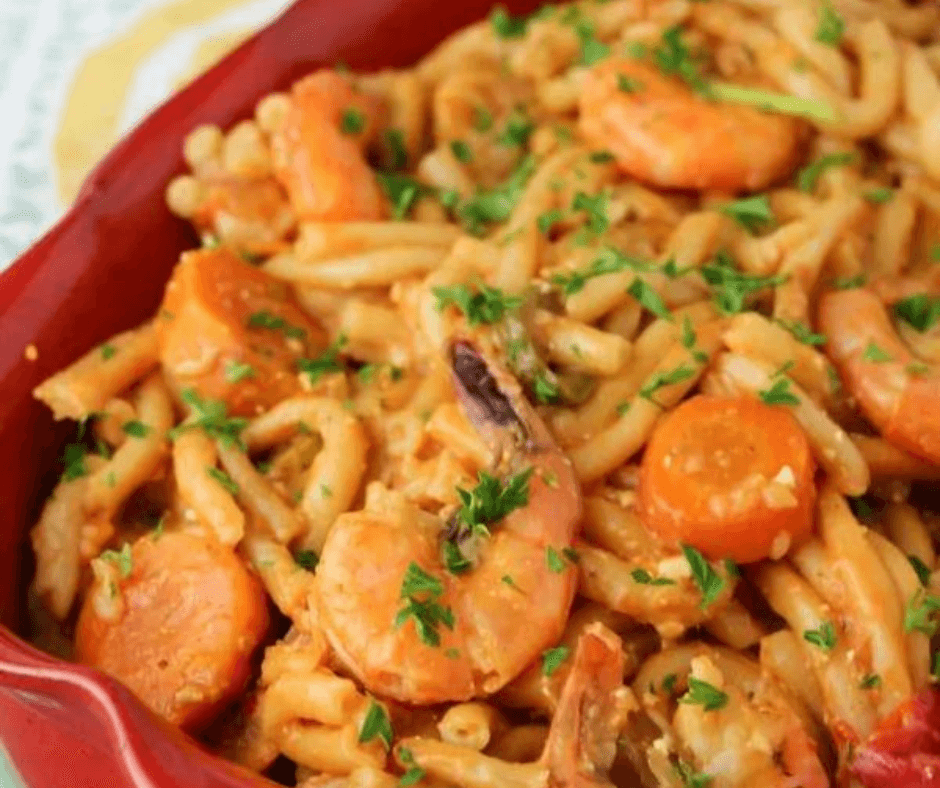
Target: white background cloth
{"type": "Point", "coordinates": [42, 45]}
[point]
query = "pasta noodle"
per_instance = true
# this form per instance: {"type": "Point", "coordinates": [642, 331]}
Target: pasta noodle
{"type": "Point", "coordinates": [570, 395]}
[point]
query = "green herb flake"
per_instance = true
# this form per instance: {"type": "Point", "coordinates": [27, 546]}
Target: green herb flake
{"type": "Point", "coordinates": [830, 27]}
{"type": "Point", "coordinates": [870, 681]}
{"type": "Point", "coordinates": [823, 638]}
{"type": "Point", "coordinates": [879, 196]}
{"type": "Point", "coordinates": [395, 143]}
{"type": "Point", "coordinates": [601, 157]}
{"type": "Point", "coordinates": [752, 213]}
{"type": "Point", "coordinates": [701, 693]}
{"type": "Point", "coordinates": [690, 778]}
{"type": "Point", "coordinates": [327, 362]}
{"type": "Point", "coordinates": [709, 582]}
{"type": "Point", "coordinates": [659, 380]}
{"type": "Point", "coordinates": [237, 371]}
{"type": "Point", "coordinates": [123, 559]}
{"type": "Point", "coordinates": [643, 577]}
{"type": "Point", "coordinates": [482, 305]}
{"type": "Point", "coordinates": [496, 205]}
{"type": "Point", "coordinates": [649, 299]}
{"type": "Point", "coordinates": [592, 49]}
{"type": "Point", "coordinates": [779, 393]}
{"type": "Point", "coordinates": [673, 57]}
{"type": "Point", "coordinates": [210, 416]}
{"type": "Point", "coordinates": [421, 592]}
{"type": "Point", "coordinates": [849, 282]}
{"type": "Point", "coordinates": [415, 773]}
{"type": "Point", "coordinates": [306, 559]}
{"type": "Point", "coordinates": [507, 26]}
{"type": "Point", "coordinates": [920, 568]}
{"type": "Point", "coordinates": [352, 121]}
{"type": "Point", "coordinates": [627, 84]}
{"type": "Point", "coordinates": [554, 560]}
{"type": "Point", "coordinates": [461, 151]}
{"type": "Point", "coordinates": [270, 321]}
{"type": "Point", "coordinates": [454, 559]}
{"type": "Point", "coordinates": [546, 221]}
{"type": "Point", "coordinates": [518, 129]}
{"type": "Point", "coordinates": [920, 613]}
{"type": "Point", "coordinates": [482, 119]}
{"type": "Point", "coordinates": [920, 311]}
{"type": "Point", "coordinates": [402, 191]}
{"type": "Point", "coordinates": [376, 725]}
{"type": "Point", "coordinates": [807, 177]}
{"type": "Point", "coordinates": [223, 478]}
{"type": "Point", "coordinates": [108, 352]}
{"type": "Point", "coordinates": [545, 390]}
{"type": "Point", "coordinates": [553, 658]}
{"type": "Point", "coordinates": [610, 261]}
{"type": "Point", "coordinates": [875, 354]}
{"type": "Point", "coordinates": [801, 333]}
{"type": "Point", "coordinates": [732, 289]}
{"type": "Point", "coordinates": [135, 429]}
{"type": "Point", "coordinates": [596, 209]}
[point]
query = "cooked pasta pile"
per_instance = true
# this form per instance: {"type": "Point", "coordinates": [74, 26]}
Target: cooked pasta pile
{"type": "Point", "coordinates": [558, 412]}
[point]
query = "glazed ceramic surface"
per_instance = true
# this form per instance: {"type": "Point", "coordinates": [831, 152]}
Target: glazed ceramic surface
{"type": "Point", "coordinates": [100, 270]}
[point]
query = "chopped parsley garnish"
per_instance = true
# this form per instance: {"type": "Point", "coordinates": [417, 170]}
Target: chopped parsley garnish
{"type": "Point", "coordinates": [223, 478]}
{"type": "Point", "coordinates": [507, 26]}
{"type": "Point", "coordinates": [870, 681]}
{"type": "Point", "coordinates": [709, 582]}
{"type": "Point", "coordinates": [108, 352]}
{"type": "Point", "coordinates": [823, 638]}
{"type": "Point", "coordinates": [689, 339]}
{"type": "Point", "coordinates": [628, 84]}
{"type": "Point", "coordinates": [210, 416]}
{"type": "Point", "coordinates": [482, 119]}
{"type": "Point", "coordinates": [237, 371]}
{"type": "Point", "coordinates": [415, 773]}
{"type": "Point", "coordinates": [779, 393]}
{"type": "Point", "coordinates": [421, 592]}
{"type": "Point", "coordinates": [690, 778]}
{"type": "Point", "coordinates": [701, 693]}
{"type": "Point", "coordinates": [643, 577]}
{"type": "Point", "coordinates": [920, 311]}
{"type": "Point", "coordinates": [917, 368]}
{"type": "Point", "coordinates": [849, 282]}
{"type": "Point", "coordinates": [596, 209]}
{"type": "Point", "coordinates": [395, 142]}
{"type": "Point", "coordinates": [659, 380]}
{"type": "Point", "coordinates": [879, 196]}
{"type": "Point", "coordinates": [481, 306]}
{"type": "Point", "coordinates": [376, 725]}
{"type": "Point", "coordinates": [328, 361]}
{"type": "Point", "coordinates": [549, 219]}
{"type": "Point", "coordinates": [649, 299]}
{"type": "Point", "coordinates": [402, 191]}
{"type": "Point", "coordinates": [553, 658]}
{"type": "Point", "coordinates": [801, 332]}
{"type": "Point", "coordinates": [875, 354]}
{"type": "Point", "coordinates": [611, 261]}
{"type": "Point", "coordinates": [752, 213]}
{"type": "Point", "coordinates": [274, 322]}
{"type": "Point", "coordinates": [306, 559]}
{"type": "Point", "coordinates": [352, 121]}
{"type": "Point", "coordinates": [592, 49]}
{"type": "Point", "coordinates": [673, 57]}
{"type": "Point", "coordinates": [136, 429]}
{"type": "Point", "coordinates": [732, 288]}
{"type": "Point", "coordinates": [555, 560]}
{"type": "Point", "coordinates": [545, 390]}
{"type": "Point", "coordinates": [490, 501]}
{"type": "Point", "coordinates": [807, 177]}
{"type": "Point", "coordinates": [496, 205]}
{"type": "Point", "coordinates": [454, 560]}
{"type": "Point", "coordinates": [830, 27]}
{"type": "Point", "coordinates": [518, 129]}
{"type": "Point", "coordinates": [122, 559]}
{"type": "Point", "coordinates": [461, 151]}
{"type": "Point", "coordinates": [922, 570]}
{"type": "Point", "coordinates": [669, 683]}
{"type": "Point", "coordinates": [601, 157]}
{"type": "Point", "coordinates": [920, 613]}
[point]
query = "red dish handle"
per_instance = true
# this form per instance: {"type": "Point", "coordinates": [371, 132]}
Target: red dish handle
{"type": "Point", "coordinates": [63, 726]}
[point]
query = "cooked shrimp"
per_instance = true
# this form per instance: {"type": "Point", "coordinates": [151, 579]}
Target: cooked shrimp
{"type": "Point", "coordinates": [582, 742]}
{"type": "Point", "coordinates": [737, 724]}
{"type": "Point", "coordinates": [411, 630]}
{"type": "Point", "coordinates": [321, 165]}
{"type": "Point", "coordinates": [896, 391]}
{"type": "Point", "coordinates": [647, 129]}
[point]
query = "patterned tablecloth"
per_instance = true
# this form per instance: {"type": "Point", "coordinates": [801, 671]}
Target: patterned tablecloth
{"type": "Point", "coordinates": [76, 74]}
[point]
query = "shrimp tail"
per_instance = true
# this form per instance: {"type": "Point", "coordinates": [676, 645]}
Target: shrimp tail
{"type": "Point", "coordinates": [591, 715]}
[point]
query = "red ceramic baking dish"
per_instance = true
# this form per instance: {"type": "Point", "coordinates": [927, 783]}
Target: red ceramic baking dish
{"type": "Point", "coordinates": [100, 270]}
